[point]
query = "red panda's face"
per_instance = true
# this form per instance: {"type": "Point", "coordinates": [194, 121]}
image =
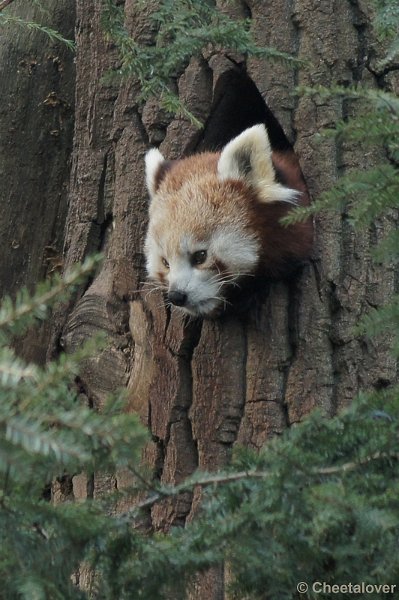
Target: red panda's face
{"type": "Point", "coordinates": [201, 239]}
{"type": "Point", "coordinates": [196, 250]}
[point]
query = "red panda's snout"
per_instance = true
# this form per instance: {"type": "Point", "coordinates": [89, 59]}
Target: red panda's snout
{"type": "Point", "coordinates": [214, 222]}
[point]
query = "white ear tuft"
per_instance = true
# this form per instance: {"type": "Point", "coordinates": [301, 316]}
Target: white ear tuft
{"type": "Point", "coordinates": [153, 163]}
{"type": "Point", "coordinates": [246, 153]}
{"type": "Point", "coordinates": [248, 157]}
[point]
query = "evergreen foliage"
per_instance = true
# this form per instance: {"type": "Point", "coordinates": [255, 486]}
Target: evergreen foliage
{"type": "Point", "coordinates": [45, 432]}
{"type": "Point", "coordinates": [181, 29]}
{"type": "Point", "coordinates": [286, 515]}
{"type": "Point", "coordinates": [8, 18]}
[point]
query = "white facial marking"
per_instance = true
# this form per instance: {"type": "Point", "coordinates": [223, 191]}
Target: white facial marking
{"type": "Point", "coordinates": [153, 254]}
{"type": "Point", "coordinates": [237, 249]}
{"type": "Point", "coordinates": [205, 287]}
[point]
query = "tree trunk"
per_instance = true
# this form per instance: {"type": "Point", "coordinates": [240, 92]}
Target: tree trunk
{"type": "Point", "coordinates": [36, 129]}
{"type": "Point", "coordinates": [202, 387]}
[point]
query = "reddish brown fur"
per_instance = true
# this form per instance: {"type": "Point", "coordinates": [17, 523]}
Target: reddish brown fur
{"type": "Point", "coordinates": [288, 164]}
{"type": "Point", "coordinates": [205, 162]}
{"type": "Point", "coordinates": [282, 246]}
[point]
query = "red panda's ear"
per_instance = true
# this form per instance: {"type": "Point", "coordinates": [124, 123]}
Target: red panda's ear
{"type": "Point", "coordinates": [154, 170]}
{"type": "Point", "coordinates": [248, 157]}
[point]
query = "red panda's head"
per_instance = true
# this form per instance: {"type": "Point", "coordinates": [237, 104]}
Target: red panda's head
{"type": "Point", "coordinates": [202, 239]}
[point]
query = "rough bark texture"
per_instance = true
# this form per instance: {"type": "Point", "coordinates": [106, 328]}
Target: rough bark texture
{"type": "Point", "coordinates": [203, 387]}
{"type": "Point", "coordinates": [36, 130]}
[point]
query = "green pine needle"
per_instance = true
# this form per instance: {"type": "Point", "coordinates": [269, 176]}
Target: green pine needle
{"type": "Point", "coordinates": [16, 315]}
{"type": "Point", "coordinates": [55, 36]}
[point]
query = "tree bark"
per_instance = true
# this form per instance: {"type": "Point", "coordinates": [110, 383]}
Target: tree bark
{"type": "Point", "coordinates": [203, 387]}
{"type": "Point", "coordinates": [36, 129]}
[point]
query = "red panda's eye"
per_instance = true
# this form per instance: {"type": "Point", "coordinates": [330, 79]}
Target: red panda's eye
{"type": "Point", "coordinates": [165, 263]}
{"type": "Point", "coordinates": [198, 258]}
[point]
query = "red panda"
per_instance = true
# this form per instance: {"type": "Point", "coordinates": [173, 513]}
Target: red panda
{"type": "Point", "coordinates": [214, 221]}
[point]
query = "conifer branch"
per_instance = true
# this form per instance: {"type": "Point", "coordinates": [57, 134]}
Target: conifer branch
{"type": "Point", "coordinates": [350, 466]}
{"type": "Point", "coordinates": [33, 439]}
{"type": "Point", "coordinates": [184, 28]}
{"type": "Point", "coordinates": [223, 478]}
{"type": "Point", "coordinates": [51, 33]}
{"type": "Point", "coordinates": [13, 371]}
{"type": "Point", "coordinates": [190, 484]}
{"type": "Point", "coordinates": [36, 306]}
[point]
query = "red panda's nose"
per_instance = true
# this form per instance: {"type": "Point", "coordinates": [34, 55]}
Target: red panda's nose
{"type": "Point", "coordinates": [177, 298]}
